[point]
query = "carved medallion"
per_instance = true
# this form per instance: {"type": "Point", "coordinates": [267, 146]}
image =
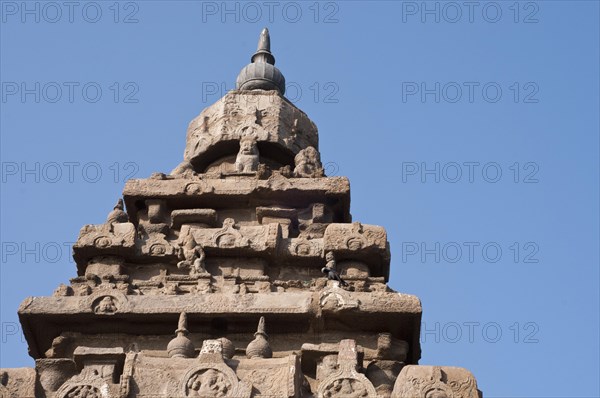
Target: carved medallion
{"type": "Point", "coordinates": [213, 380]}
{"type": "Point", "coordinates": [345, 388]}
{"type": "Point", "coordinates": [346, 382]}
{"type": "Point", "coordinates": [157, 249]}
{"type": "Point", "coordinates": [228, 236]}
{"type": "Point", "coordinates": [208, 383]}
{"type": "Point", "coordinates": [195, 188]}
{"type": "Point", "coordinates": [85, 385]}
{"type": "Point", "coordinates": [435, 382]}
{"type": "Point", "coordinates": [355, 243]}
{"type": "Point", "coordinates": [303, 248]}
{"type": "Point", "coordinates": [107, 301]}
{"type": "Point", "coordinates": [226, 240]}
{"type": "Point", "coordinates": [102, 242]}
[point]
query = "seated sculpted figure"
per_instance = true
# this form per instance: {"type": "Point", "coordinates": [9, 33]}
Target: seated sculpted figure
{"type": "Point", "coordinates": [192, 255]}
{"type": "Point", "coordinates": [247, 158]}
{"type": "Point", "coordinates": [308, 163]}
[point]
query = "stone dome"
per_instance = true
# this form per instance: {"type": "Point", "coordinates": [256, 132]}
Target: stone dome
{"type": "Point", "coordinates": [261, 73]}
{"type": "Point", "coordinates": [180, 347]}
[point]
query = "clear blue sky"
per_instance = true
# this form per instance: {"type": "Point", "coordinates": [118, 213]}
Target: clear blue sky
{"type": "Point", "coordinates": [420, 108]}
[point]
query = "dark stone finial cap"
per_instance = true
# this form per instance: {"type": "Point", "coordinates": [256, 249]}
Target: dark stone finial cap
{"type": "Point", "coordinates": [261, 74]}
{"type": "Point", "coordinates": [263, 51]}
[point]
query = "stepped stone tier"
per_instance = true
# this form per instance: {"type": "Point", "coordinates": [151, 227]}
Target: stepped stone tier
{"type": "Point", "coordinates": [239, 274]}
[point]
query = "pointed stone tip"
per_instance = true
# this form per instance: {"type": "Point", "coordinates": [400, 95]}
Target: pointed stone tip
{"type": "Point", "coordinates": [264, 41]}
{"type": "Point", "coordinates": [263, 51]}
{"type": "Point", "coordinates": [261, 326]}
{"type": "Point", "coordinates": [119, 205]}
{"type": "Point", "coordinates": [182, 325]}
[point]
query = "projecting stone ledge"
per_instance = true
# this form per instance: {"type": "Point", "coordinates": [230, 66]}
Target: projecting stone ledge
{"type": "Point", "coordinates": [112, 302]}
{"type": "Point", "coordinates": [44, 318]}
{"type": "Point", "coordinates": [230, 192]}
{"type": "Point", "coordinates": [258, 377]}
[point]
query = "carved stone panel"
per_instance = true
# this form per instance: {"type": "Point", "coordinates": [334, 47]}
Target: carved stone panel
{"type": "Point", "coordinates": [213, 380]}
{"type": "Point", "coordinates": [346, 382]}
{"type": "Point", "coordinates": [435, 382]}
{"type": "Point", "coordinates": [266, 115]}
{"type": "Point", "coordinates": [17, 383]}
{"type": "Point", "coordinates": [277, 377]}
{"type": "Point", "coordinates": [354, 237]}
{"type": "Point", "coordinates": [233, 239]}
{"type": "Point", "coordinates": [107, 302]}
{"type": "Point", "coordinates": [103, 240]}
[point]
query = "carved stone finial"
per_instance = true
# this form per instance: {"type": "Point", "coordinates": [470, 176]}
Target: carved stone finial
{"type": "Point", "coordinates": [263, 51]}
{"type": "Point", "coordinates": [182, 324]}
{"type": "Point", "coordinates": [181, 346]}
{"type": "Point", "coordinates": [259, 347]}
{"type": "Point", "coordinates": [261, 74]}
{"type": "Point", "coordinates": [118, 214]}
{"type": "Point", "coordinates": [261, 327]}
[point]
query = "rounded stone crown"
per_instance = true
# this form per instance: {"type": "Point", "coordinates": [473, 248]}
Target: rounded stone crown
{"type": "Point", "coordinates": [261, 73]}
{"type": "Point", "coordinates": [180, 347]}
{"type": "Point", "coordinates": [261, 76]}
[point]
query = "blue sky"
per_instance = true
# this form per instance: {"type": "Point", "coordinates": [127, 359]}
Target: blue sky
{"type": "Point", "coordinates": [469, 131]}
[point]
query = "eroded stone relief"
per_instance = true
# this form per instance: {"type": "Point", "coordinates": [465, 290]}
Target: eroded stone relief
{"type": "Point", "coordinates": [176, 291]}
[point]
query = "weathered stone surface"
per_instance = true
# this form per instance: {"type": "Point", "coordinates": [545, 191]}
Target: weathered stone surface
{"type": "Point", "coordinates": [435, 381]}
{"type": "Point", "coordinates": [105, 240]}
{"type": "Point", "coordinates": [344, 380]}
{"type": "Point", "coordinates": [281, 129]}
{"type": "Point", "coordinates": [17, 383]}
{"type": "Point", "coordinates": [239, 274]}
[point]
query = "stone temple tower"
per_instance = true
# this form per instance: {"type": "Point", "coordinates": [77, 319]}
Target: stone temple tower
{"type": "Point", "coordinates": [239, 274]}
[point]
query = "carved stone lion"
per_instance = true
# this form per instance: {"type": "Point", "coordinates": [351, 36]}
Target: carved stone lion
{"type": "Point", "coordinates": [248, 157]}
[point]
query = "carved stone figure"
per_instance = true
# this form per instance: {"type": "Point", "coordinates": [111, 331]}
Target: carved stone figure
{"type": "Point", "coordinates": [345, 388]}
{"type": "Point", "coordinates": [331, 271]}
{"type": "Point", "coordinates": [209, 384]}
{"type": "Point", "coordinates": [327, 367]}
{"type": "Point", "coordinates": [118, 214]}
{"type": "Point", "coordinates": [184, 169]}
{"type": "Point", "coordinates": [435, 382]}
{"type": "Point", "coordinates": [106, 306]}
{"type": "Point", "coordinates": [346, 381]}
{"type": "Point", "coordinates": [308, 163]}
{"type": "Point", "coordinates": [192, 255]}
{"type": "Point", "coordinates": [247, 158]}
